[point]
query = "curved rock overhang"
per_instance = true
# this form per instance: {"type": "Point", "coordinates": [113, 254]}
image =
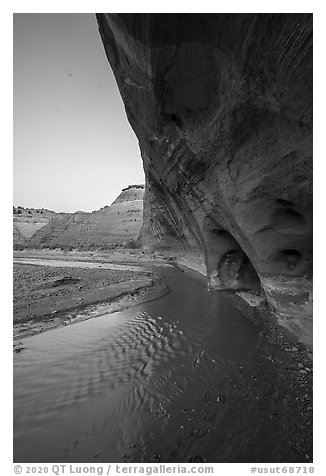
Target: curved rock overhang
{"type": "Point", "coordinates": [222, 108]}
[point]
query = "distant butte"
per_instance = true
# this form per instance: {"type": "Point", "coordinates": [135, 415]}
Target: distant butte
{"type": "Point", "coordinates": [111, 227]}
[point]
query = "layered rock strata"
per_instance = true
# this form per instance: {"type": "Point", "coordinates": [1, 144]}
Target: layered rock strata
{"type": "Point", "coordinates": [110, 227]}
{"type": "Point", "coordinates": [222, 107]}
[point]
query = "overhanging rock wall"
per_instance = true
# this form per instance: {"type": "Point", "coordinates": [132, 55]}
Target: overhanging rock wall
{"type": "Point", "coordinates": [222, 107]}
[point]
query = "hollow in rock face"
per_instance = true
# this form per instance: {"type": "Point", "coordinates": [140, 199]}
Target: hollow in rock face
{"type": "Point", "coordinates": [222, 108]}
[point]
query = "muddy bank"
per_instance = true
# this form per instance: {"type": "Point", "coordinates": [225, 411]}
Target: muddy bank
{"type": "Point", "coordinates": [123, 256]}
{"type": "Point", "coordinates": [49, 296]}
{"type": "Point", "coordinates": [185, 378]}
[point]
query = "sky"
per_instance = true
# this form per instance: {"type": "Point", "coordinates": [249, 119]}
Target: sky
{"type": "Point", "coordinates": [73, 146]}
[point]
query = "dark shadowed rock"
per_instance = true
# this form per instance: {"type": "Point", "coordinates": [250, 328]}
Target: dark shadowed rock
{"type": "Point", "coordinates": [222, 107]}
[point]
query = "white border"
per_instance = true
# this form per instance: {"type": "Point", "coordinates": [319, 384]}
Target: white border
{"type": "Point", "coordinates": [316, 7]}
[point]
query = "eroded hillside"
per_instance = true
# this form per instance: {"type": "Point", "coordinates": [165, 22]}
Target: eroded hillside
{"type": "Point", "coordinates": [107, 228]}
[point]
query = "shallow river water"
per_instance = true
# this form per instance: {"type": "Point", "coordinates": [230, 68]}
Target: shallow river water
{"type": "Point", "coordinates": [146, 384]}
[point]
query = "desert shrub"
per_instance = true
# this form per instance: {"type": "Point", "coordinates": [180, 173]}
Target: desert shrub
{"type": "Point", "coordinates": [91, 247]}
{"type": "Point", "coordinates": [109, 246]}
{"type": "Point", "coordinates": [67, 248]}
{"type": "Point", "coordinates": [19, 247]}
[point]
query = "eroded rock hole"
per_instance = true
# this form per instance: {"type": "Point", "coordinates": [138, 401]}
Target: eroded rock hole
{"type": "Point", "coordinates": [294, 213]}
{"type": "Point", "coordinates": [176, 120]}
{"type": "Point", "coordinates": [285, 203]}
{"type": "Point", "coordinates": [228, 267]}
{"type": "Point", "coordinates": [248, 276]}
{"type": "Point", "coordinates": [290, 257]}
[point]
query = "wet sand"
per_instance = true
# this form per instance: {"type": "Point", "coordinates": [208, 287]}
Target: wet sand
{"type": "Point", "coordinates": [57, 289]}
{"type": "Point", "coordinates": [192, 377]}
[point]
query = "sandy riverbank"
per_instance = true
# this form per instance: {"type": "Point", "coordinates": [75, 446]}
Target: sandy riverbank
{"type": "Point", "coordinates": [62, 290]}
{"type": "Point", "coordinates": [264, 402]}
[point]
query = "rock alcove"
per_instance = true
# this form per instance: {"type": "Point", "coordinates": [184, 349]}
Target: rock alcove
{"type": "Point", "coordinates": [222, 108]}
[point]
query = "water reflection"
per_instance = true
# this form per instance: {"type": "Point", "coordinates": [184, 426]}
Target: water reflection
{"type": "Point", "coordinates": [126, 386]}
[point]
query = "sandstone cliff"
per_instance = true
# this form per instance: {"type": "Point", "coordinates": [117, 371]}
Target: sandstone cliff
{"type": "Point", "coordinates": [222, 107]}
{"type": "Point", "coordinates": [107, 228]}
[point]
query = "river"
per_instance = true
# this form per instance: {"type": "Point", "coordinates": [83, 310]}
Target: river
{"type": "Point", "coordinates": [151, 383]}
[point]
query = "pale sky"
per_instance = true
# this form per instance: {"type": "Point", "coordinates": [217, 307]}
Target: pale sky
{"type": "Point", "coordinates": [73, 146]}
